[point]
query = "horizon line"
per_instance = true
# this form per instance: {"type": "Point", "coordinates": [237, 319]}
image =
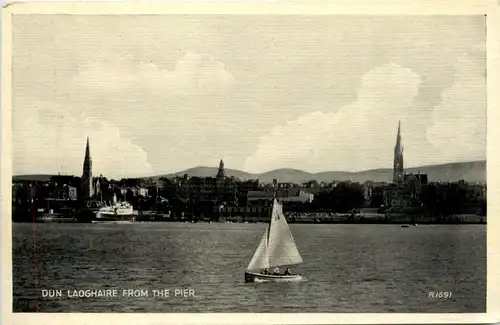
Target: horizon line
{"type": "Point", "coordinates": [269, 171]}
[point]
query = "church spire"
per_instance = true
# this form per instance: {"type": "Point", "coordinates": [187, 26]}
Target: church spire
{"type": "Point", "coordinates": [87, 150]}
{"type": "Point", "coordinates": [398, 147]}
{"type": "Point", "coordinates": [221, 173]}
{"type": "Point", "coordinates": [398, 171]}
{"type": "Point", "coordinates": [87, 181]}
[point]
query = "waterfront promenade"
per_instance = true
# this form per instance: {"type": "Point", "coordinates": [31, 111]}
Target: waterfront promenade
{"type": "Point", "coordinates": [301, 218]}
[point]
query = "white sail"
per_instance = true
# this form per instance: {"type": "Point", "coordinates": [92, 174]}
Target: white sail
{"type": "Point", "coordinates": [277, 246]}
{"type": "Point", "coordinates": [259, 260]}
{"type": "Point", "coordinates": [281, 249]}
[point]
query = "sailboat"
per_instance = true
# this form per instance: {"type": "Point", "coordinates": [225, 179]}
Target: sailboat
{"type": "Point", "coordinates": [276, 248]}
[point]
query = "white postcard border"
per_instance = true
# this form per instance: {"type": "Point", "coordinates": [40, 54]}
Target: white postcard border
{"type": "Point", "coordinates": [413, 7]}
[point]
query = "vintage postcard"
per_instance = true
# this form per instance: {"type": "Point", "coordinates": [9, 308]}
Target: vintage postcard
{"type": "Point", "coordinates": [250, 163]}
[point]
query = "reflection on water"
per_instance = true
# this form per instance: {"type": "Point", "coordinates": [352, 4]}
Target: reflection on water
{"type": "Point", "coordinates": [348, 268]}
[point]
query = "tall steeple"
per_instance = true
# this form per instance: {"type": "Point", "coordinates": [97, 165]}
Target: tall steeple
{"type": "Point", "coordinates": [221, 173]}
{"type": "Point", "coordinates": [398, 172]}
{"type": "Point", "coordinates": [87, 186]}
{"type": "Point", "coordinates": [87, 150]}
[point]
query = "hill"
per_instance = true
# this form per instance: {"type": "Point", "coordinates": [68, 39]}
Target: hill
{"type": "Point", "coordinates": [469, 171]}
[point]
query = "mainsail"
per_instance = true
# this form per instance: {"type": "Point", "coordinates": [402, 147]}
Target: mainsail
{"type": "Point", "coordinates": [277, 246]}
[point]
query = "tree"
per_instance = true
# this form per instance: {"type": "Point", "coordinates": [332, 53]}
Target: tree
{"type": "Point", "coordinates": [377, 197]}
{"type": "Point", "coordinates": [342, 198]}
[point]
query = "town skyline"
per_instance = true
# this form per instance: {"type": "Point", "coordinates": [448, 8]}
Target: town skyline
{"type": "Point", "coordinates": [398, 164]}
{"type": "Point", "coordinates": [195, 170]}
{"type": "Point", "coordinates": [264, 172]}
{"type": "Point", "coordinates": [324, 95]}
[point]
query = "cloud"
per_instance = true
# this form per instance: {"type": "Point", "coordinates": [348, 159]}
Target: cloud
{"type": "Point", "coordinates": [458, 127]}
{"type": "Point", "coordinates": [192, 74]}
{"type": "Point", "coordinates": [361, 135]}
{"type": "Point", "coordinates": [53, 141]}
{"type": "Point", "coordinates": [277, 100]}
{"type": "Point", "coordinates": [358, 136]}
{"type": "Point", "coordinates": [174, 114]}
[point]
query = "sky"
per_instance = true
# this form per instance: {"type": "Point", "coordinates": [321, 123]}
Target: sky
{"type": "Point", "coordinates": [158, 94]}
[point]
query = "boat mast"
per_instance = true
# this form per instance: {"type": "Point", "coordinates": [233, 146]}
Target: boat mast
{"type": "Point", "coordinates": [125, 192]}
{"type": "Point", "coordinates": [271, 218]}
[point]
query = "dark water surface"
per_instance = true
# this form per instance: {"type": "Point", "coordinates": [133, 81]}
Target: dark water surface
{"type": "Point", "coordinates": [348, 268]}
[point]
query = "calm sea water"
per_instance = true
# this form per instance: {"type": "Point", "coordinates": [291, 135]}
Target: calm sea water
{"type": "Point", "coordinates": [348, 268]}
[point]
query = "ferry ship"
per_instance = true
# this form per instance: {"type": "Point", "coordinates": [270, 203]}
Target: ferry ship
{"type": "Point", "coordinates": [119, 212]}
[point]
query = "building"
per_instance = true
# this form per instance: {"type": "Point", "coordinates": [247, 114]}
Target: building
{"type": "Point", "coordinates": [199, 190]}
{"type": "Point", "coordinates": [264, 198]}
{"type": "Point", "coordinates": [97, 187]}
{"type": "Point", "coordinates": [225, 187]}
{"type": "Point", "coordinates": [143, 192]}
{"type": "Point", "coordinates": [474, 192]}
{"type": "Point", "coordinates": [209, 191]}
{"type": "Point", "coordinates": [66, 192]}
{"type": "Point", "coordinates": [59, 180]}
{"type": "Point", "coordinates": [259, 204]}
{"type": "Point", "coordinates": [415, 183]}
{"type": "Point", "coordinates": [249, 185]}
{"type": "Point", "coordinates": [135, 190]}
{"type": "Point", "coordinates": [397, 197]}
{"type": "Point", "coordinates": [312, 187]}
{"type": "Point", "coordinates": [284, 185]}
{"type": "Point", "coordinates": [374, 193]}
{"type": "Point", "coordinates": [242, 189]}
{"type": "Point", "coordinates": [221, 173]}
{"type": "Point", "coordinates": [406, 189]}
{"type": "Point", "coordinates": [87, 188]}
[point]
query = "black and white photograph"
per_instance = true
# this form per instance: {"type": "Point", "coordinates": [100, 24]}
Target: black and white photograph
{"type": "Point", "coordinates": [249, 163]}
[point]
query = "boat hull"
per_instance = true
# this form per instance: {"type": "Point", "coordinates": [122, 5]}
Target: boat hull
{"type": "Point", "coordinates": [115, 222]}
{"type": "Point", "coordinates": [104, 217]}
{"type": "Point", "coordinates": [114, 218]}
{"type": "Point", "coordinates": [257, 277]}
{"type": "Point", "coordinates": [108, 215]}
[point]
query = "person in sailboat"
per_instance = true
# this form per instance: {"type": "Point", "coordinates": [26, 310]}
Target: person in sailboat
{"type": "Point", "coordinates": [287, 272]}
{"type": "Point", "coordinates": [276, 271]}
